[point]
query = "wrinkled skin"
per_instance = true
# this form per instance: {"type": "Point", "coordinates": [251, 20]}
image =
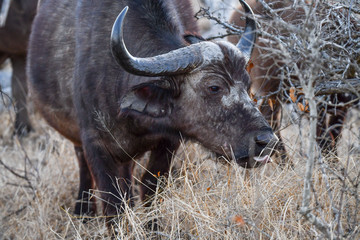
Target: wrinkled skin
{"type": "Point", "coordinates": [14, 38]}
{"type": "Point", "coordinates": [228, 116]}
{"type": "Point", "coordinates": [113, 117]}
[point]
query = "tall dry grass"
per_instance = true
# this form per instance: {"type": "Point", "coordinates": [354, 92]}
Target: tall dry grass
{"type": "Point", "coordinates": [201, 198]}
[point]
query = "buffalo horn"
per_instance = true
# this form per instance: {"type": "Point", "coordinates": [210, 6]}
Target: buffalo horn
{"type": "Point", "coordinates": [178, 61]}
{"type": "Point", "coordinates": [247, 41]}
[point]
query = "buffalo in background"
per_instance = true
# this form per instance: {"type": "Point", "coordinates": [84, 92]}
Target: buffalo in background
{"type": "Point", "coordinates": [14, 36]}
{"type": "Point", "coordinates": [265, 73]}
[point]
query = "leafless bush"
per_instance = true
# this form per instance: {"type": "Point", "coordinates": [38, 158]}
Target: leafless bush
{"type": "Point", "coordinates": [323, 44]}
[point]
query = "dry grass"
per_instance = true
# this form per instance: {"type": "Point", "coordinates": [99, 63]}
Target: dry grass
{"type": "Point", "coordinates": [201, 199]}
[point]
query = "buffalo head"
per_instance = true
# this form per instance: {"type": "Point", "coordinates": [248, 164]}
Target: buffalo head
{"type": "Point", "coordinates": [201, 91]}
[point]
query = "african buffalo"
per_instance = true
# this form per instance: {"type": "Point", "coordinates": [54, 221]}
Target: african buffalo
{"type": "Point", "coordinates": [14, 36]}
{"type": "Point", "coordinates": [141, 85]}
{"type": "Point", "coordinates": [266, 69]}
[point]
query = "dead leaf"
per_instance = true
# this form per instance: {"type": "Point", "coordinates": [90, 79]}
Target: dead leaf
{"type": "Point", "coordinates": [292, 94]}
{"type": "Point", "coordinates": [249, 67]}
{"type": "Point", "coordinates": [271, 104]}
{"type": "Point", "coordinates": [239, 220]}
{"type": "Point", "coordinates": [306, 106]}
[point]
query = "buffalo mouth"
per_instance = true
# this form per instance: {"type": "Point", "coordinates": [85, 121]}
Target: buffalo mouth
{"type": "Point", "coordinates": [253, 162]}
{"type": "Point", "coordinates": [247, 161]}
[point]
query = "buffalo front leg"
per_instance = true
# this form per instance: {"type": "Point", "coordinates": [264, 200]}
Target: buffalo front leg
{"type": "Point", "coordinates": [336, 124]}
{"type": "Point", "coordinates": [85, 205]}
{"type": "Point", "coordinates": [159, 164]}
{"type": "Point", "coordinates": [19, 90]}
{"type": "Point", "coordinates": [112, 177]}
{"type": "Point", "coordinates": [328, 134]}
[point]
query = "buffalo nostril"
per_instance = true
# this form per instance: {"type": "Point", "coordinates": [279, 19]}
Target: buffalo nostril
{"type": "Point", "coordinates": [264, 139]}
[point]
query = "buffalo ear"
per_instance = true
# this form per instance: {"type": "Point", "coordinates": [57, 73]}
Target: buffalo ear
{"type": "Point", "coordinates": [152, 98]}
{"type": "Point", "coordinates": [192, 39]}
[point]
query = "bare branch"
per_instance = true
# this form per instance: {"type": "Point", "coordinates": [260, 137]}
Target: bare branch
{"type": "Point", "coordinates": [12, 171]}
{"type": "Point", "coordinates": [205, 13]}
{"type": "Point", "coordinates": [351, 86]}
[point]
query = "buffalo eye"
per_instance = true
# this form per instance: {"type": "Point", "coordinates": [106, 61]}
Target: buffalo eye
{"type": "Point", "coordinates": [214, 89]}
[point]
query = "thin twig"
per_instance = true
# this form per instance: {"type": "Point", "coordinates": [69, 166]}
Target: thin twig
{"type": "Point", "coordinates": [12, 171]}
